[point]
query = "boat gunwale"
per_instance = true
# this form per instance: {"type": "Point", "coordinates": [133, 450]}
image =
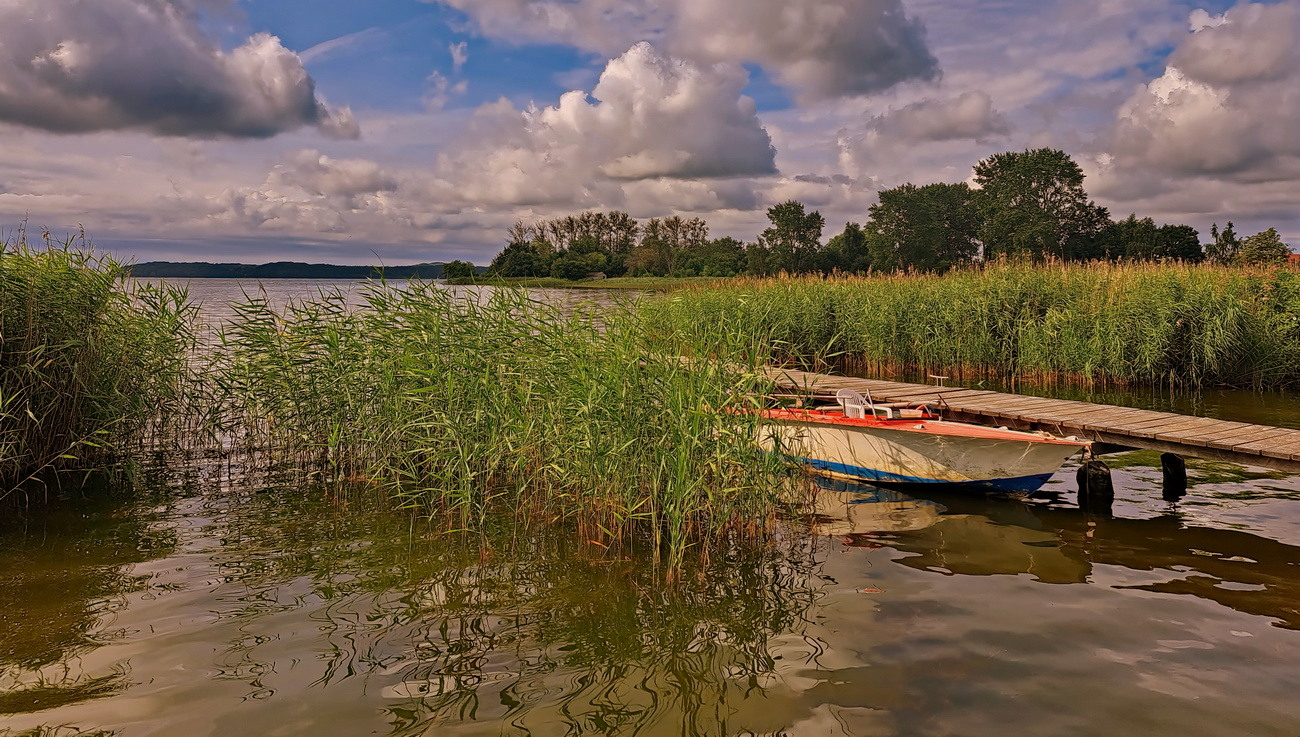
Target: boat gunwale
{"type": "Point", "coordinates": [931, 425]}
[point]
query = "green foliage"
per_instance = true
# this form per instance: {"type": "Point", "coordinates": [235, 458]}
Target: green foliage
{"type": "Point", "coordinates": [459, 270]}
{"type": "Point", "coordinates": [1033, 205]}
{"type": "Point", "coordinates": [523, 258]}
{"type": "Point", "coordinates": [88, 363]}
{"type": "Point", "coordinates": [1263, 248]}
{"type": "Point", "coordinates": [793, 243]}
{"type": "Point", "coordinates": [848, 251]}
{"type": "Point", "coordinates": [573, 266]}
{"type": "Point", "coordinates": [1224, 246]}
{"type": "Point", "coordinates": [1172, 324]}
{"type": "Point", "coordinates": [1140, 240]}
{"type": "Point", "coordinates": [719, 257]}
{"type": "Point", "coordinates": [930, 228]}
{"type": "Point", "coordinates": [510, 404]}
{"type": "Point", "coordinates": [1030, 205]}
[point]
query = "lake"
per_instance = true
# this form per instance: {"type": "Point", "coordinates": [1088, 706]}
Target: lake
{"type": "Point", "coordinates": [215, 599]}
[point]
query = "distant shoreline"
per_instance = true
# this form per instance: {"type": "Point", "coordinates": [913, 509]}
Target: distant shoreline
{"type": "Point", "coordinates": [282, 270]}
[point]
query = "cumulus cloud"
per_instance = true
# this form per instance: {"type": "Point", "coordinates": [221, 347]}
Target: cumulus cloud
{"type": "Point", "coordinates": [1228, 103]}
{"type": "Point", "coordinates": [649, 116]}
{"type": "Point", "coordinates": [319, 174]}
{"type": "Point", "coordinates": [818, 48]}
{"type": "Point", "coordinates": [69, 66]}
{"type": "Point", "coordinates": [969, 116]}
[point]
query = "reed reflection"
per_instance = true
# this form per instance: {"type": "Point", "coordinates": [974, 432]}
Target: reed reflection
{"type": "Point", "coordinates": [64, 575]}
{"type": "Point", "coordinates": [530, 627]}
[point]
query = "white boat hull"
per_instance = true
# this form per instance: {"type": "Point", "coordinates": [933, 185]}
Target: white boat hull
{"type": "Point", "coordinates": [999, 460]}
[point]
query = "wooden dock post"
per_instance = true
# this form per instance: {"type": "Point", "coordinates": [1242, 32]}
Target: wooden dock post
{"type": "Point", "coordinates": [1096, 490]}
{"type": "Point", "coordinates": [1174, 469]}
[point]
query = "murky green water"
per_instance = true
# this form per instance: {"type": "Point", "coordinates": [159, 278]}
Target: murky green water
{"type": "Point", "coordinates": [222, 606]}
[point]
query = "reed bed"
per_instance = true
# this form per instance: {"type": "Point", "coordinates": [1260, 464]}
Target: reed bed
{"type": "Point", "coordinates": [473, 405]}
{"type": "Point", "coordinates": [1156, 324]}
{"type": "Point", "coordinates": [90, 366]}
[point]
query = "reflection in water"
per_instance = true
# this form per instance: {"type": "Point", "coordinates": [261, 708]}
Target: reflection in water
{"type": "Point", "coordinates": [224, 606]}
{"type": "Point", "coordinates": [267, 595]}
{"type": "Point", "coordinates": [992, 535]}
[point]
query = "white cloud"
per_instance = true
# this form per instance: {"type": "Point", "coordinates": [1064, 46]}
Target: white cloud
{"type": "Point", "coordinates": [340, 45]}
{"type": "Point", "coordinates": [969, 116]}
{"type": "Point", "coordinates": [346, 179]}
{"type": "Point", "coordinates": [442, 89]}
{"type": "Point", "coordinates": [69, 66]}
{"type": "Point", "coordinates": [818, 48]}
{"type": "Point", "coordinates": [649, 116]}
{"type": "Point", "coordinates": [459, 55]}
{"type": "Point", "coordinates": [1227, 105]}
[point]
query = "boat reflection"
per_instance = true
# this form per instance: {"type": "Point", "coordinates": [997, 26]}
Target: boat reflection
{"type": "Point", "coordinates": [988, 535]}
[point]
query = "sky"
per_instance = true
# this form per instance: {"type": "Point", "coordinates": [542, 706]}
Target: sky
{"type": "Point", "coordinates": [403, 131]}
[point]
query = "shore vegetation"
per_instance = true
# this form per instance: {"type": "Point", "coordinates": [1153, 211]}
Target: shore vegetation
{"type": "Point", "coordinates": [90, 364]}
{"type": "Point", "coordinates": [1029, 205]}
{"type": "Point", "coordinates": [1179, 325]}
{"type": "Point", "coordinates": [465, 406]}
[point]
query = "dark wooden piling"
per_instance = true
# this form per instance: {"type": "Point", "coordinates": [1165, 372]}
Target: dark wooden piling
{"type": "Point", "coordinates": [1174, 469]}
{"type": "Point", "coordinates": [1096, 489]}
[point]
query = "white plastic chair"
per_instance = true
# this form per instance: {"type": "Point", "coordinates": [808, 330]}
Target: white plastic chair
{"type": "Point", "coordinates": [855, 405]}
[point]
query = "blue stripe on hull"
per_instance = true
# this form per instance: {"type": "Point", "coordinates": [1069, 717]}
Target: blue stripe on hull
{"type": "Point", "coordinates": [1020, 484]}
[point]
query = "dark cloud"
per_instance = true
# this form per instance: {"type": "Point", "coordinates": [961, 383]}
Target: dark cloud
{"type": "Point", "coordinates": [820, 49]}
{"type": "Point", "coordinates": [69, 66]}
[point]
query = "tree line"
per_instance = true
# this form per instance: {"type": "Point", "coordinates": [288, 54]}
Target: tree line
{"type": "Point", "coordinates": [1026, 205]}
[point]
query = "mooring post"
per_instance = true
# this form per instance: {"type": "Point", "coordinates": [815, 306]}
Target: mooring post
{"type": "Point", "coordinates": [1096, 490]}
{"type": "Point", "coordinates": [1175, 471]}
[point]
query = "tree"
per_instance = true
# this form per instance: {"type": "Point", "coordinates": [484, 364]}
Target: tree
{"type": "Point", "coordinates": [847, 251]}
{"type": "Point", "coordinates": [1032, 203]}
{"type": "Point", "coordinates": [459, 270]}
{"type": "Point", "coordinates": [574, 266]}
{"type": "Point", "coordinates": [794, 240]}
{"type": "Point", "coordinates": [1224, 246]}
{"type": "Point", "coordinates": [930, 228]}
{"type": "Point", "coordinates": [524, 258]}
{"type": "Point", "coordinates": [1132, 239]}
{"type": "Point", "coordinates": [1180, 242]}
{"type": "Point", "coordinates": [720, 257]}
{"type": "Point", "coordinates": [664, 241]}
{"type": "Point", "coordinates": [1263, 248]}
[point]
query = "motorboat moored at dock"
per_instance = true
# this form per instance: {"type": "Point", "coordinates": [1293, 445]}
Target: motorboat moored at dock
{"type": "Point", "coordinates": [902, 444]}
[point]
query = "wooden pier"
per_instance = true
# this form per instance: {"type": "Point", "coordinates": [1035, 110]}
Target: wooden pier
{"type": "Point", "coordinates": [1202, 437]}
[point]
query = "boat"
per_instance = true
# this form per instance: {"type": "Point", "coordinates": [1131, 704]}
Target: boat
{"type": "Point", "coordinates": [905, 444]}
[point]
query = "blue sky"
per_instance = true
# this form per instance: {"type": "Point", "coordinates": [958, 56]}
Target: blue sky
{"type": "Point", "coordinates": [420, 129]}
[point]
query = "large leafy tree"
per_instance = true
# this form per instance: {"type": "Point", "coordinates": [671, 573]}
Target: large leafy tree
{"type": "Point", "coordinates": [793, 243]}
{"type": "Point", "coordinates": [1032, 203]}
{"type": "Point", "coordinates": [930, 228]}
{"type": "Point", "coordinates": [1263, 248]}
{"type": "Point", "coordinates": [1180, 242]}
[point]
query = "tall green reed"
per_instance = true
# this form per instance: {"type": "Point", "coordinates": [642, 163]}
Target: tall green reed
{"type": "Point", "coordinates": [1159, 324]}
{"type": "Point", "coordinates": [90, 365]}
{"type": "Point", "coordinates": [469, 406]}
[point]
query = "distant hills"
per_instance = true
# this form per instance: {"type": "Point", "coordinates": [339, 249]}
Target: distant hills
{"type": "Point", "coordinates": [283, 270]}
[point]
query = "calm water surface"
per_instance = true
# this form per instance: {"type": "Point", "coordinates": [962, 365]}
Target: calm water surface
{"type": "Point", "coordinates": [212, 602]}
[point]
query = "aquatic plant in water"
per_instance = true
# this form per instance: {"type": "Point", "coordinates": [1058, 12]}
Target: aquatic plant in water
{"type": "Point", "coordinates": [89, 363]}
{"type": "Point", "coordinates": [468, 405]}
{"type": "Point", "coordinates": [1158, 324]}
